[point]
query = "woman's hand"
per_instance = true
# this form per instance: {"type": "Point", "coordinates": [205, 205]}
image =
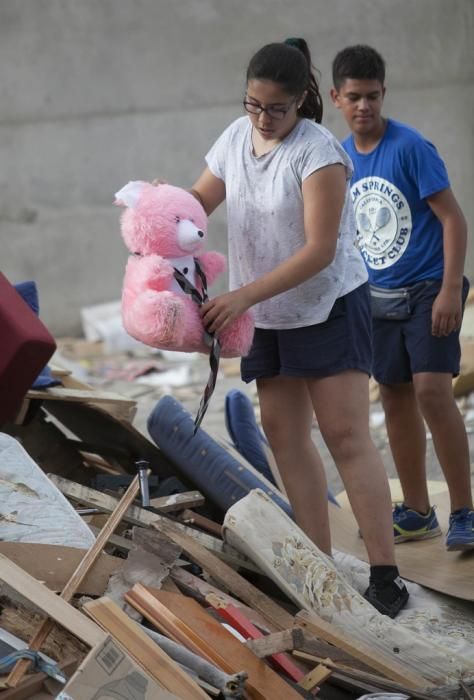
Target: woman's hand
{"type": "Point", "coordinates": [217, 313]}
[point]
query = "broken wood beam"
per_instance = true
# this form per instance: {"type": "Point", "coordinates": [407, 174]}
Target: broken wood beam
{"type": "Point", "coordinates": [140, 516]}
{"type": "Point", "coordinates": [378, 682]}
{"type": "Point", "coordinates": [198, 589]}
{"type": "Point", "coordinates": [48, 602]}
{"type": "Point", "coordinates": [319, 674]}
{"type": "Point", "coordinates": [92, 554]}
{"type": "Point", "coordinates": [237, 619]}
{"type": "Point", "coordinates": [178, 501]}
{"type": "Point", "coordinates": [356, 647]}
{"type": "Point", "coordinates": [226, 576]}
{"type": "Point", "coordinates": [189, 517]}
{"type": "Point", "coordinates": [273, 643]}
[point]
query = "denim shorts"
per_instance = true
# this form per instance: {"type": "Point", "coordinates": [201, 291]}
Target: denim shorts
{"type": "Point", "coordinates": [340, 343]}
{"type": "Point", "coordinates": [404, 348]}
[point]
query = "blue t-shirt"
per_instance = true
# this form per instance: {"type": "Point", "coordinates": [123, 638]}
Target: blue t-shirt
{"type": "Point", "coordinates": [400, 238]}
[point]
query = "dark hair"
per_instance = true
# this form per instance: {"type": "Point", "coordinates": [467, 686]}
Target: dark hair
{"type": "Point", "coordinates": [358, 62]}
{"type": "Point", "coordinates": [289, 64]}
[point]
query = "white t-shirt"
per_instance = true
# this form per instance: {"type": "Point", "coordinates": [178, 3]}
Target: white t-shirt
{"type": "Point", "coordinates": [265, 219]}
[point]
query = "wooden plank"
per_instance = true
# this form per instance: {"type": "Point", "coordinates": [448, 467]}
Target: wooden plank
{"type": "Point", "coordinates": [188, 517]}
{"type": "Point", "coordinates": [225, 575]}
{"type": "Point", "coordinates": [368, 655]}
{"type": "Point", "coordinates": [78, 575]}
{"type": "Point", "coordinates": [91, 423]}
{"type": "Point", "coordinates": [198, 589]}
{"type": "Point", "coordinates": [74, 391]}
{"type": "Point", "coordinates": [145, 652]}
{"type": "Point", "coordinates": [51, 604]}
{"type": "Point", "coordinates": [318, 675]}
{"type": "Point", "coordinates": [296, 639]}
{"type": "Point", "coordinates": [273, 643]}
{"type": "Point", "coordinates": [242, 624]}
{"type": "Point", "coordinates": [191, 622]}
{"type": "Point", "coordinates": [54, 564]}
{"type": "Point", "coordinates": [57, 393]}
{"type": "Point", "coordinates": [178, 501]}
{"type": "Point", "coordinates": [378, 682]}
{"type": "Point", "coordinates": [140, 516]}
{"type": "Point", "coordinates": [319, 649]}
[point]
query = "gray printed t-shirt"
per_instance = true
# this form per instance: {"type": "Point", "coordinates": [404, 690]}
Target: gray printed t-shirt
{"type": "Point", "coordinates": [265, 219]}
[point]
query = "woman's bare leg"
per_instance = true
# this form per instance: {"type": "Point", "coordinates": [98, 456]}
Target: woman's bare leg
{"type": "Point", "coordinates": [287, 415]}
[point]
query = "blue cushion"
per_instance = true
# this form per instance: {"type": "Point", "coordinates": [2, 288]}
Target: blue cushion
{"type": "Point", "coordinates": [247, 436]}
{"type": "Point", "coordinates": [245, 433]}
{"type": "Point", "coordinates": [219, 476]}
{"type": "Point", "coordinates": [29, 293]}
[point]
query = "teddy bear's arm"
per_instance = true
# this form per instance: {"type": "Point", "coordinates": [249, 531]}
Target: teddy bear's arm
{"type": "Point", "coordinates": [151, 272]}
{"type": "Point", "coordinates": [213, 265]}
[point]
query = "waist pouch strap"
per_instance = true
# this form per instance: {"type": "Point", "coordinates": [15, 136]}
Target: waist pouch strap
{"type": "Point", "coordinates": [395, 304]}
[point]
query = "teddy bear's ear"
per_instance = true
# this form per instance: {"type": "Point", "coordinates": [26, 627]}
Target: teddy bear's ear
{"type": "Point", "coordinates": [129, 195]}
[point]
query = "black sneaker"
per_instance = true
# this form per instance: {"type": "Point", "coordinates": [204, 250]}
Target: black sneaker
{"type": "Point", "coordinates": [389, 597]}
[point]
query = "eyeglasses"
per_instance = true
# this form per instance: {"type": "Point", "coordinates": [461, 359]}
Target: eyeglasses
{"type": "Point", "coordinates": [273, 112]}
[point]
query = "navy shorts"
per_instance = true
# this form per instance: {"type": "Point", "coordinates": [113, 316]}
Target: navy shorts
{"type": "Point", "coordinates": [340, 343]}
{"type": "Point", "coordinates": [405, 348]}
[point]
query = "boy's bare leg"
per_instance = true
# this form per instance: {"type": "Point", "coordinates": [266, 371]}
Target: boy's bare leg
{"type": "Point", "coordinates": [407, 439]}
{"type": "Point", "coordinates": [341, 403]}
{"type": "Point", "coordinates": [435, 397]}
{"type": "Point", "coordinates": [287, 416]}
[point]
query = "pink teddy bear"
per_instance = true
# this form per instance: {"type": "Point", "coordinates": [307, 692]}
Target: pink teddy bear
{"type": "Point", "coordinates": [165, 228]}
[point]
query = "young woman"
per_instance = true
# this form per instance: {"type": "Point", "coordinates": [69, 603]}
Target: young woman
{"type": "Point", "coordinates": [292, 257]}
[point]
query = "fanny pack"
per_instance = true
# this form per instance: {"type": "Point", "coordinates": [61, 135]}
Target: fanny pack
{"type": "Point", "coordinates": [395, 304]}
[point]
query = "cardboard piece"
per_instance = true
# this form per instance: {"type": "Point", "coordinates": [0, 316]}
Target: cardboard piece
{"type": "Point", "coordinates": [107, 671]}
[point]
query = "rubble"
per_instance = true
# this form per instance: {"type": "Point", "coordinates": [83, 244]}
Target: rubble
{"type": "Point", "coordinates": [173, 565]}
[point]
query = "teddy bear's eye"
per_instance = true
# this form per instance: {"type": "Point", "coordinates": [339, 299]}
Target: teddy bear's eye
{"type": "Point", "coordinates": [177, 219]}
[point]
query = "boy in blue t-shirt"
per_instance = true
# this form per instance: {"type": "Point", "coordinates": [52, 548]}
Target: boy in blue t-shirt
{"type": "Point", "coordinates": [412, 235]}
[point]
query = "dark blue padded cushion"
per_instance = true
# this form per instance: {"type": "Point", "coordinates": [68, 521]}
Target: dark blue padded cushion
{"type": "Point", "coordinates": [219, 476]}
{"type": "Point", "coordinates": [245, 433]}
{"type": "Point", "coordinates": [29, 293]}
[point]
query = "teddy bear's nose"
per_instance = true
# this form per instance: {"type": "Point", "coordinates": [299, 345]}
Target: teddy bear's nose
{"type": "Point", "coordinates": [200, 234]}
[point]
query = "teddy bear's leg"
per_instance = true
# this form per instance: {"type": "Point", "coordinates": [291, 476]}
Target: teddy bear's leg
{"type": "Point", "coordinates": [236, 339]}
{"type": "Point", "coordinates": [156, 318]}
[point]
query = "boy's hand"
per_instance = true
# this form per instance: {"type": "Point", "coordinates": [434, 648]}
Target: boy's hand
{"type": "Point", "coordinates": [446, 315]}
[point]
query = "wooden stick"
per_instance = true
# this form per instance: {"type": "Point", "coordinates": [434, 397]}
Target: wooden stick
{"type": "Point", "coordinates": [380, 682]}
{"type": "Point", "coordinates": [146, 518]}
{"type": "Point", "coordinates": [235, 617]}
{"type": "Point", "coordinates": [21, 666]}
{"type": "Point", "coordinates": [276, 642]}
{"type": "Point", "coordinates": [319, 674]}
{"type": "Point", "coordinates": [360, 650]}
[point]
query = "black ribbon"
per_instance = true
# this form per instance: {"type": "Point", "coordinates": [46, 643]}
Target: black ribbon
{"type": "Point", "coordinates": [200, 297]}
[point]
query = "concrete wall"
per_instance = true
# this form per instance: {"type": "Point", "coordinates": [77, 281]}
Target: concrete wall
{"type": "Point", "coordinates": [98, 92]}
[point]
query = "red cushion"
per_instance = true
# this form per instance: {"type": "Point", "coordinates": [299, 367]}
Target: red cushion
{"type": "Point", "coordinates": [25, 348]}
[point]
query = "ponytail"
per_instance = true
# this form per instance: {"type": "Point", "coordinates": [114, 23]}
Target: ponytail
{"type": "Point", "coordinates": [312, 107]}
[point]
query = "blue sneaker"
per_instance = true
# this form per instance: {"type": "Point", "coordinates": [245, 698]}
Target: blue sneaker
{"type": "Point", "coordinates": [408, 524]}
{"type": "Point", "coordinates": [461, 530]}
